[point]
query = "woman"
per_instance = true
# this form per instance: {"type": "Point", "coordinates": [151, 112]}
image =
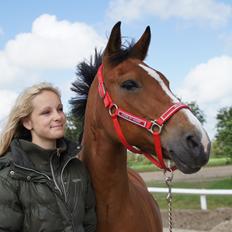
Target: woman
{"type": "Point", "coordinates": [43, 186]}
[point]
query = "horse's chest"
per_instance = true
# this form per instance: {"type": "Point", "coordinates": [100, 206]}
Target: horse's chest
{"type": "Point", "coordinates": [129, 217]}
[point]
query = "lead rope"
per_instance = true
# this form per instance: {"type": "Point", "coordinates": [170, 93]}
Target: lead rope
{"type": "Point", "coordinates": [168, 181]}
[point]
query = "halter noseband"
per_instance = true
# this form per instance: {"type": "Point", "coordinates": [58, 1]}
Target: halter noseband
{"type": "Point", "coordinates": [155, 126]}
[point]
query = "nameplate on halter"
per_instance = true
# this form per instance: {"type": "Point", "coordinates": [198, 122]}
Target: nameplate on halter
{"type": "Point", "coordinates": [131, 118]}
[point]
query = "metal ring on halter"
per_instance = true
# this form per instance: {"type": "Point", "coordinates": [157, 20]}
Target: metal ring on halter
{"type": "Point", "coordinates": [112, 110]}
{"type": "Point", "coordinates": [155, 127]}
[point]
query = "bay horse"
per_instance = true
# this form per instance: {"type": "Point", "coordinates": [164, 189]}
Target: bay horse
{"type": "Point", "coordinates": [119, 96]}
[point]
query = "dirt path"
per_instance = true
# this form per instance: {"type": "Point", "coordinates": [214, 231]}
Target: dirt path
{"type": "Point", "coordinates": [218, 220]}
{"type": "Point", "coordinates": [204, 173]}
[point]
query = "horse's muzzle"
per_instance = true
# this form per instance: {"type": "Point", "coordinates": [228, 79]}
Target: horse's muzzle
{"type": "Point", "coordinates": [189, 154]}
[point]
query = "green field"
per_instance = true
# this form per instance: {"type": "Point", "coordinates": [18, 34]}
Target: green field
{"type": "Point", "coordinates": [193, 201]}
{"type": "Point", "coordinates": [141, 164]}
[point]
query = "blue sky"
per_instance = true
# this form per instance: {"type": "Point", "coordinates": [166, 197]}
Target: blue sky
{"type": "Point", "coordinates": [191, 44]}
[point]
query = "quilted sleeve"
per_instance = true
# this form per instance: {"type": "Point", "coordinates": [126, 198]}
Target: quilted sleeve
{"type": "Point", "coordinates": [11, 216]}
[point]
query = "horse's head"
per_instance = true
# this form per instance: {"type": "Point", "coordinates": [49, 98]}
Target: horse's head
{"type": "Point", "coordinates": [143, 91]}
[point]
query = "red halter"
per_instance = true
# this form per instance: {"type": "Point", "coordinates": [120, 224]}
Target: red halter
{"type": "Point", "coordinates": [155, 126]}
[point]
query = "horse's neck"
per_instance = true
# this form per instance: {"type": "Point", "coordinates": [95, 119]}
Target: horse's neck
{"type": "Point", "coordinates": [107, 164]}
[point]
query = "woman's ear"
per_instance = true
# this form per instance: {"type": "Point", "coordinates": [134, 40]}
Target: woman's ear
{"type": "Point", "coordinates": [27, 123]}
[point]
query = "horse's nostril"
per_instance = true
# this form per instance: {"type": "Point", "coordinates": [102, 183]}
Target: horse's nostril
{"type": "Point", "coordinates": [196, 149]}
{"type": "Point", "coordinates": [192, 142]}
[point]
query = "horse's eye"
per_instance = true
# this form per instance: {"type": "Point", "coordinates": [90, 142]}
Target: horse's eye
{"type": "Point", "coordinates": [130, 85]}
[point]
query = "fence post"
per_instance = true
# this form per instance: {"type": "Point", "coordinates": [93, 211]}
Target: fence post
{"type": "Point", "coordinates": [203, 202]}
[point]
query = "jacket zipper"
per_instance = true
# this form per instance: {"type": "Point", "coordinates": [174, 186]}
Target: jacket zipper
{"type": "Point", "coordinates": [62, 182]}
{"type": "Point", "coordinates": [53, 176]}
{"type": "Point", "coordinates": [61, 177]}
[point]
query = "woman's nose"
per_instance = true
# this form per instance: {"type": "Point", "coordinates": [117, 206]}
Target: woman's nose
{"type": "Point", "coordinates": [57, 115]}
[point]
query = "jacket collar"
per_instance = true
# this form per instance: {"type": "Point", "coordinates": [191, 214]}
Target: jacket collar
{"type": "Point", "coordinates": [29, 155]}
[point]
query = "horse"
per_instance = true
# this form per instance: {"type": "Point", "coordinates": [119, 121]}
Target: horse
{"type": "Point", "coordinates": [125, 104]}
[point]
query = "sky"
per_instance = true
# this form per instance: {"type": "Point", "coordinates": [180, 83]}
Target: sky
{"type": "Point", "coordinates": [191, 44]}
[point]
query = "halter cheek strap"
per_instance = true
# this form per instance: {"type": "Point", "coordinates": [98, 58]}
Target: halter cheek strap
{"type": "Point", "coordinates": [154, 127]}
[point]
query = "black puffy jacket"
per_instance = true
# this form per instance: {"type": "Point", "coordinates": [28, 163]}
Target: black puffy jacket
{"type": "Point", "coordinates": [45, 190]}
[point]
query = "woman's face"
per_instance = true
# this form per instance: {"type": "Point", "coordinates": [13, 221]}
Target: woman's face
{"type": "Point", "coordinates": [47, 120]}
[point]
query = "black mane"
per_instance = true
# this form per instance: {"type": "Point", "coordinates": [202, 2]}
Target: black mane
{"type": "Point", "coordinates": [86, 72]}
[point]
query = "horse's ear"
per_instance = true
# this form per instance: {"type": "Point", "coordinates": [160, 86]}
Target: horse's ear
{"type": "Point", "coordinates": [139, 50]}
{"type": "Point", "coordinates": [114, 42]}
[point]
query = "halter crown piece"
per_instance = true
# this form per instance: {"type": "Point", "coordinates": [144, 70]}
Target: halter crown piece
{"type": "Point", "coordinates": [154, 126]}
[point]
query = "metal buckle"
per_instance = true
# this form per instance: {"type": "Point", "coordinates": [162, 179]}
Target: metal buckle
{"type": "Point", "coordinates": [112, 110]}
{"type": "Point", "coordinates": [155, 127]}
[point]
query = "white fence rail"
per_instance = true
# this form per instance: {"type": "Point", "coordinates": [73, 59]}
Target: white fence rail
{"type": "Point", "coordinates": [201, 192]}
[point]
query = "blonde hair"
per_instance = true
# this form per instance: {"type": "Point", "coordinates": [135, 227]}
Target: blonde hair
{"type": "Point", "coordinates": [21, 109]}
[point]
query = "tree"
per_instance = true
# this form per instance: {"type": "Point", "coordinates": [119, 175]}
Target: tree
{"type": "Point", "coordinates": [197, 111]}
{"type": "Point", "coordinates": [73, 129]}
{"type": "Point", "coordinates": [224, 133]}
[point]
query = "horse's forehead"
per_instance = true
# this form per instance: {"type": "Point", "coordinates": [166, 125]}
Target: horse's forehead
{"type": "Point", "coordinates": [152, 73]}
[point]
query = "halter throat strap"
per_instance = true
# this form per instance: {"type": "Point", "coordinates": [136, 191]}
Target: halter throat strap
{"type": "Point", "coordinates": [153, 126]}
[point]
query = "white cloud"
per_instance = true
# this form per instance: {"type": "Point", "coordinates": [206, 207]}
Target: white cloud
{"type": "Point", "coordinates": [7, 100]}
{"type": "Point", "coordinates": [210, 85]}
{"type": "Point", "coordinates": [53, 46]}
{"type": "Point", "coordinates": [9, 71]}
{"type": "Point", "coordinates": [211, 11]}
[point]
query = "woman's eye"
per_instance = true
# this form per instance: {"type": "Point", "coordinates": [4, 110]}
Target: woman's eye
{"type": "Point", "coordinates": [130, 85]}
{"type": "Point", "coordinates": [45, 112]}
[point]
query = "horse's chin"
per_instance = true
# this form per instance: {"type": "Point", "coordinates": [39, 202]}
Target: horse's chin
{"type": "Point", "coordinates": [184, 166]}
{"type": "Point", "coordinates": [180, 164]}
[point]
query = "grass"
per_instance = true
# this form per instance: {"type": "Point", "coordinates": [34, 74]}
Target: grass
{"type": "Point", "coordinates": [193, 201]}
{"type": "Point", "coordinates": [143, 165]}
{"type": "Point", "coordinates": [219, 162]}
